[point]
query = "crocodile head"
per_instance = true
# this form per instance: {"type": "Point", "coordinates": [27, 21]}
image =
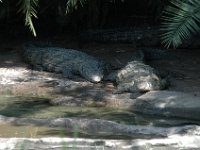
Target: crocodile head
{"type": "Point", "coordinates": [96, 78]}
{"type": "Point", "coordinates": [92, 72]}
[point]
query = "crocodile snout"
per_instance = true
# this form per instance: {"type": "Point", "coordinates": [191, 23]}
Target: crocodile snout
{"type": "Point", "coordinates": [96, 78]}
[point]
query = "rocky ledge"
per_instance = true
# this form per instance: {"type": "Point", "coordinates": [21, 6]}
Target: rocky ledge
{"type": "Point", "coordinates": [171, 143]}
{"type": "Point", "coordinates": [64, 92]}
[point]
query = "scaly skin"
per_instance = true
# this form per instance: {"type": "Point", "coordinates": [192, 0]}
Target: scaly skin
{"type": "Point", "coordinates": [137, 76]}
{"type": "Point", "coordinates": [66, 61]}
{"type": "Point", "coordinates": [133, 77]}
{"type": "Point", "coordinates": [137, 36]}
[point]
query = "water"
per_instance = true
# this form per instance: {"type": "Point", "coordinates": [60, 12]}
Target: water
{"type": "Point", "coordinates": [34, 107]}
{"type": "Point", "coordinates": [9, 131]}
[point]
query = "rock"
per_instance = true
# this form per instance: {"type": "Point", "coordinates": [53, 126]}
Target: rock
{"type": "Point", "coordinates": [96, 98]}
{"type": "Point", "coordinates": [100, 127]}
{"type": "Point", "coordinates": [160, 103]}
{"type": "Point", "coordinates": [169, 104]}
{"type": "Point", "coordinates": [171, 143]}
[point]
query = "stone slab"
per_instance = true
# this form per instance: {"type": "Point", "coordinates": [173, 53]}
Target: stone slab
{"type": "Point", "coordinates": [169, 104]}
{"type": "Point", "coordinates": [56, 143]}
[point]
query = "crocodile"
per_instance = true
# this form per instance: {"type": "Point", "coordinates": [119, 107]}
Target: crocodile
{"type": "Point", "coordinates": [69, 62]}
{"type": "Point", "coordinates": [144, 55]}
{"type": "Point", "coordinates": [148, 36]}
{"type": "Point", "coordinates": [136, 75]}
{"type": "Point", "coordinates": [137, 36]}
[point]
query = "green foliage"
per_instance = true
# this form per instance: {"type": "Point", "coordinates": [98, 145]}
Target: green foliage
{"type": "Point", "coordinates": [156, 5]}
{"type": "Point", "coordinates": [4, 9]}
{"type": "Point", "coordinates": [180, 20]}
{"type": "Point", "coordinates": [73, 5]}
{"type": "Point", "coordinates": [28, 8]}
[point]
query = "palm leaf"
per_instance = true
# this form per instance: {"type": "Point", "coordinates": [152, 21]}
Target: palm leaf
{"type": "Point", "coordinates": [180, 20]}
{"type": "Point", "coordinates": [28, 8]}
{"type": "Point", "coordinates": [73, 5]}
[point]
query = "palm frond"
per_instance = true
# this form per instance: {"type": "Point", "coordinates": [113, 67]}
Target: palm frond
{"type": "Point", "coordinates": [73, 5]}
{"type": "Point", "coordinates": [180, 20]}
{"type": "Point", "coordinates": [28, 8]}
